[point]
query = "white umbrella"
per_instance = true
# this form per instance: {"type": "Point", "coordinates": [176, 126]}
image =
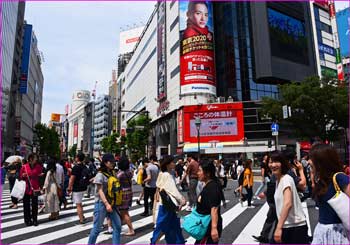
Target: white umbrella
{"type": "Point", "coordinates": [13, 159]}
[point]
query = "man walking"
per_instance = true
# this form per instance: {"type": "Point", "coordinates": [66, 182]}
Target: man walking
{"type": "Point", "coordinates": [191, 171]}
{"type": "Point", "coordinates": [77, 186]}
{"type": "Point", "coordinates": [150, 184]}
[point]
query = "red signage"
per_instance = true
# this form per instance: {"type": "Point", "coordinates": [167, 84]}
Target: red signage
{"type": "Point", "coordinates": [75, 132]}
{"type": "Point", "coordinates": [132, 40]}
{"type": "Point", "coordinates": [219, 122]}
{"type": "Point", "coordinates": [180, 122]}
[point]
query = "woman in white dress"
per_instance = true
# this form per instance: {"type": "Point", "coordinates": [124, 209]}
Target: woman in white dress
{"type": "Point", "coordinates": [50, 188]}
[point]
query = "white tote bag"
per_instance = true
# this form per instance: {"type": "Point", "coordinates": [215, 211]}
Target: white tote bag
{"type": "Point", "coordinates": [340, 204]}
{"type": "Point", "coordinates": [18, 189]}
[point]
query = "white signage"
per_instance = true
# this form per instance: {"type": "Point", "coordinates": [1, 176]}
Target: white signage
{"type": "Point", "coordinates": [128, 39]}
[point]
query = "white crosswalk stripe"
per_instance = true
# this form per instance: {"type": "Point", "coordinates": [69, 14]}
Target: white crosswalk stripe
{"type": "Point", "coordinates": [66, 228]}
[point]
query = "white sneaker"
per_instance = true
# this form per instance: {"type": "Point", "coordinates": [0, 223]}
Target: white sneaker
{"type": "Point", "coordinates": [251, 206]}
{"type": "Point", "coordinates": [241, 202]}
{"type": "Point", "coordinates": [189, 209]}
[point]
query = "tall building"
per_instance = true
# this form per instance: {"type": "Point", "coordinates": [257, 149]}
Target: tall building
{"type": "Point", "coordinates": [29, 98]}
{"type": "Point", "coordinates": [218, 72]}
{"type": "Point", "coordinates": [12, 14]}
{"type": "Point", "coordinates": [76, 119]}
{"type": "Point", "coordinates": [113, 94]}
{"type": "Point", "coordinates": [102, 125]}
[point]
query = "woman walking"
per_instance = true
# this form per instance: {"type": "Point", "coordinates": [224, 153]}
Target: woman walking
{"type": "Point", "coordinates": [50, 188]}
{"type": "Point", "coordinates": [325, 163]}
{"type": "Point", "coordinates": [291, 227]}
{"type": "Point", "coordinates": [13, 170]}
{"type": "Point", "coordinates": [208, 202]}
{"type": "Point", "coordinates": [30, 172]}
{"type": "Point", "coordinates": [103, 208]}
{"type": "Point", "coordinates": [248, 181]}
{"type": "Point", "coordinates": [167, 221]}
{"type": "Point", "coordinates": [125, 179]}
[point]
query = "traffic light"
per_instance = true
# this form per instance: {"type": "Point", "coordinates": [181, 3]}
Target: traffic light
{"type": "Point", "coordinates": [269, 143]}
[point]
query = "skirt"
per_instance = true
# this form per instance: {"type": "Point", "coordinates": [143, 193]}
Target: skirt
{"type": "Point", "coordinates": [126, 200]}
{"type": "Point", "coordinates": [330, 234]}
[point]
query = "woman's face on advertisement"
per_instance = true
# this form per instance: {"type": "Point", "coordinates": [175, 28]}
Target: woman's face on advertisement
{"type": "Point", "coordinates": [199, 15]}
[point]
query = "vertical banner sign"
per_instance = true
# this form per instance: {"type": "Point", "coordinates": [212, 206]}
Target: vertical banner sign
{"type": "Point", "coordinates": [197, 70]}
{"type": "Point", "coordinates": [161, 50]}
{"type": "Point", "coordinates": [27, 39]}
{"type": "Point", "coordinates": [336, 40]}
{"type": "Point", "coordinates": [75, 133]}
{"type": "Point", "coordinates": [180, 132]}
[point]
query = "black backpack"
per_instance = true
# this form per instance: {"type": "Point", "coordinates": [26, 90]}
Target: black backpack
{"type": "Point", "coordinates": [85, 177]}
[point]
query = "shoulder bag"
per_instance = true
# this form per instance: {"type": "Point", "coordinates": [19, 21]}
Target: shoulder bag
{"type": "Point", "coordinates": [58, 188]}
{"type": "Point", "coordinates": [340, 203]}
{"type": "Point", "coordinates": [196, 224]}
{"type": "Point", "coordinates": [36, 193]}
{"type": "Point", "coordinates": [167, 201]}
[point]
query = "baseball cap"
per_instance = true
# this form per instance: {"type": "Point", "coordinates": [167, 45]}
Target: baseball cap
{"type": "Point", "coordinates": [108, 157]}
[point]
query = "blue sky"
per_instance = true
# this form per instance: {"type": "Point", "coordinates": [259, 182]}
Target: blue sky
{"type": "Point", "coordinates": [80, 42]}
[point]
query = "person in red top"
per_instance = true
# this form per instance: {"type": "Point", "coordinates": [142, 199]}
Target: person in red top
{"type": "Point", "coordinates": [30, 172]}
{"type": "Point", "coordinates": [192, 173]}
{"type": "Point", "coordinates": [197, 19]}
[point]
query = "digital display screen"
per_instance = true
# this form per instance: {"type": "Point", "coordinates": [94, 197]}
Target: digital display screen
{"type": "Point", "coordinates": [287, 37]}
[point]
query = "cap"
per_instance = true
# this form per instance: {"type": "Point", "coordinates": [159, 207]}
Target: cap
{"type": "Point", "coordinates": [108, 157]}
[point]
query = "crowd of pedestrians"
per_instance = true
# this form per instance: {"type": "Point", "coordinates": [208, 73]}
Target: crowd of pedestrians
{"type": "Point", "coordinates": [285, 184]}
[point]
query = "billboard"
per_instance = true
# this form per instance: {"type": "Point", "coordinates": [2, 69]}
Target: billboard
{"type": "Point", "coordinates": [343, 23]}
{"type": "Point", "coordinates": [55, 117]}
{"type": "Point", "coordinates": [75, 133]}
{"type": "Point", "coordinates": [128, 39]}
{"type": "Point", "coordinates": [197, 70]}
{"type": "Point", "coordinates": [219, 122]}
{"type": "Point", "coordinates": [161, 51]}
{"type": "Point", "coordinates": [27, 40]}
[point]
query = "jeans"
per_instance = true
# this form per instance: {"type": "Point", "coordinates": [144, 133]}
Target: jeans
{"type": "Point", "coordinates": [192, 195]}
{"type": "Point", "coordinates": [262, 185]}
{"type": "Point", "coordinates": [249, 195]}
{"type": "Point", "coordinates": [100, 213]}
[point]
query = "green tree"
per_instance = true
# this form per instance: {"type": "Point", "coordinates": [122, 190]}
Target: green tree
{"type": "Point", "coordinates": [47, 139]}
{"type": "Point", "coordinates": [137, 137]}
{"type": "Point", "coordinates": [72, 152]}
{"type": "Point", "coordinates": [319, 107]}
{"type": "Point", "coordinates": [110, 144]}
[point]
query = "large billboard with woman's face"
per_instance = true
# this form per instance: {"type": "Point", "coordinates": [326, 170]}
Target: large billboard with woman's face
{"type": "Point", "coordinates": [197, 70]}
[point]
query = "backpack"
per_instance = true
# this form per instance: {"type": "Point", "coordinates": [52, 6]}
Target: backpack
{"type": "Point", "coordinates": [114, 190]}
{"type": "Point", "coordinates": [85, 177]}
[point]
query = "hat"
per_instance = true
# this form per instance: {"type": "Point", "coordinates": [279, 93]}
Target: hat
{"type": "Point", "coordinates": [108, 157]}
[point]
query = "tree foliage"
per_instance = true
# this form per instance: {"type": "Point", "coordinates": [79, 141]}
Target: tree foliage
{"type": "Point", "coordinates": [72, 152]}
{"type": "Point", "coordinates": [110, 144]}
{"type": "Point", "coordinates": [47, 139]}
{"type": "Point", "coordinates": [137, 137]}
{"type": "Point", "coordinates": [319, 108]}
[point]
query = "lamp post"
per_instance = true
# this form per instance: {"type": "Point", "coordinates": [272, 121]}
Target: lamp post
{"type": "Point", "coordinates": [198, 126]}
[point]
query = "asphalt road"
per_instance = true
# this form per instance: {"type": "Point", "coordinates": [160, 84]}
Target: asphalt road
{"type": "Point", "coordinates": [239, 222]}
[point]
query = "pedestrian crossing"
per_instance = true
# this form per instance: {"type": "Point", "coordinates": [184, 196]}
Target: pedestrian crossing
{"type": "Point", "coordinates": [239, 224]}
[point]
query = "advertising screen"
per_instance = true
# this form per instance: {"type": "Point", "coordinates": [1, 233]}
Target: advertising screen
{"type": "Point", "coordinates": [343, 23]}
{"type": "Point", "coordinates": [287, 37]}
{"type": "Point", "coordinates": [197, 71]}
{"type": "Point", "coordinates": [128, 39]}
{"type": "Point", "coordinates": [55, 117]}
{"type": "Point", "coordinates": [27, 40]}
{"type": "Point", "coordinates": [219, 122]}
{"type": "Point", "coordinates": [161, 51]}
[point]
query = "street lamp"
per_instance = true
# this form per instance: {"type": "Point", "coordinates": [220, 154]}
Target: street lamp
{"type": "Point", "coordinates": [198, 126]}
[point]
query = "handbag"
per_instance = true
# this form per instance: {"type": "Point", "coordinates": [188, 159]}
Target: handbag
{"type": "Point", "coordinates": [167, 201]}
{"type": "Point", "coordinates": [340, 204]}
{"type": "Point", "coordinates": [18, 189]}
{"type": "Point", "coordinates": [58, 188]}
{"type": "Point", "coordinates": [36, 193]}
{"type": "Point", "coordinates": [196, 224]}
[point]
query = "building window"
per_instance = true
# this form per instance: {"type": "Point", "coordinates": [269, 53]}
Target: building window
{"type": "Point", "coordinates": [174, 47]}
{"type": "Point", "coordinates": [174, 23]}
{"type": "Point", "coordinates": [175, 72]}
{"type": "Point", "coordinates": [172, 3]}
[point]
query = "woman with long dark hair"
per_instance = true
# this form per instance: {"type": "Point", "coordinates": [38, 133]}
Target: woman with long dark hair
{"type": "Point", "coordinates": [50, 188]}
{"type": "Point", "coordinates": [30, 172]}
{"type": "Point", "coordinates": [248, 180]}
{"type": "Point", "coordinates": [209, 200]}
{"type": "Point", "coordinates": [125, 178]}
{"type": "Point", "coordinates": [167, 221]}
{"type": "Point", "coordinates": [325, 163]}
{"type": "Point", "coordinates": [291, 227]}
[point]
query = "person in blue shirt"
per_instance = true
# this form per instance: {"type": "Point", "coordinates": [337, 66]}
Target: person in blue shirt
{"type": "Point", "coordinates": [325, 163]}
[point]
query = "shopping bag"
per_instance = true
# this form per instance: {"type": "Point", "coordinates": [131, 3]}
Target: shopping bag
{"type": "Point", "coordinates": [19, 189]}
{"type": "Point", "coordinates": [340, 204]}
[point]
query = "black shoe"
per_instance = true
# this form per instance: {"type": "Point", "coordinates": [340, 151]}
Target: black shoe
{"type": "Point", "coordinates": [29, 223]}
{"type": "Point", "coordinates": [144, 214]}
{"type": "Point", "coordinates": [261, 239]}
{"type": "Point", "coordinates": [35, 223]}
{"type": "Point", "coordinates": [138, 202]}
